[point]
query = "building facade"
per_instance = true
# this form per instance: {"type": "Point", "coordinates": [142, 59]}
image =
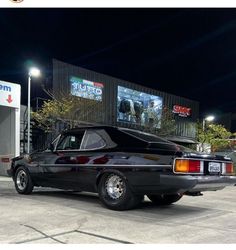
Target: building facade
{"type": "Point", "coordinates": [123, 103]}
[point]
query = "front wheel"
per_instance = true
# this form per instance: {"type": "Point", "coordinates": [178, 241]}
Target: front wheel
{"type": "Point", "coordinates": [165, 199]}
{"type": "Point", "coordinates": [23, 181]}
{"type": "Point", "coordinates": [114, 192]}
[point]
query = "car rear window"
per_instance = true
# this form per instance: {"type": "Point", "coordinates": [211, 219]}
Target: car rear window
{"type": "Point", "coordinates": [92, 140]}
{"type": "Point", "coordinates": [145, 136]}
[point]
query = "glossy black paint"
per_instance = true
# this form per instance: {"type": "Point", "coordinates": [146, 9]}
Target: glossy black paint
{"type": "Point", "coordinates": [147, 165]}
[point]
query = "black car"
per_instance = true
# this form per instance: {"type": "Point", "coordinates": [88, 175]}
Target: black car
{"type": "Point", "coordinates": [121, 165]}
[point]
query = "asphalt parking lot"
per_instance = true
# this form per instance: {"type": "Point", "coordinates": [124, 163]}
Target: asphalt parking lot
{"type": "Point", "coordinates": [54, 216]}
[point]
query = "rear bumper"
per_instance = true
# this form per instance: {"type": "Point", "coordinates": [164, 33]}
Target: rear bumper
{"type": "Point", "coordinates": [185, 183]}
{"type": "Point", "coordinates": [208, 183]}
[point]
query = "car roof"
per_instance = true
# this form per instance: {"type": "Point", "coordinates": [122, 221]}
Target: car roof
{"type": "Point", "coordinates": [114, 129]}
{"type": "Point", "coordinates": [78, 129]}
{"type": "Point", "coordinates": [136, 140]}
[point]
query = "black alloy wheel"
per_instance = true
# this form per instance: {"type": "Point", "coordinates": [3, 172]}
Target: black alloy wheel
{"type": "Point", "coordinates": [114, 192]}
{"type": "Point", "coordinates": [165, 199]}
{"type": "Point", "coordinates": [23, 181]}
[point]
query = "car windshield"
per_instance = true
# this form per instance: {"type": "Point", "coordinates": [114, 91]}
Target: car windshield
{"type": "Point", "coordinates": [153, 139]}
{"type": "Point", "coordinates": [145, 136]}
{"type": "Point", "coordinates": [230, 154]}
{"type": "Point", "coordinates": [186, 149]}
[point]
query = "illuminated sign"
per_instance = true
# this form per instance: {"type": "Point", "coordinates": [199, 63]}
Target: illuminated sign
{"type": "Point", "coordinates": [86, 89]}
{"type": "Point", "coordinates": [138, 107]}
{"type": "Point", "coordinates": [10, 94]}
{"type": "Point", "coordinates": [5, 87]}
{"type": "Point", "coordinates": [181, 111]}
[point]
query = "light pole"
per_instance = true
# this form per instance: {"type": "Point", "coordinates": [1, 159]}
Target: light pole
{"type": "Point", "coordinates": [209, 118]}
{"type": "Point", "coordinates": [33, 72]}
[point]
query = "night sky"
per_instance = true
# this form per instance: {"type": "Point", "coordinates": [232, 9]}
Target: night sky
{"type": "Point", "coordinates": [186, 52]}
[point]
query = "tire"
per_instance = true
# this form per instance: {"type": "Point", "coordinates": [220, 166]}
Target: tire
{"type": "Point", "coordinates": [165, 199]}
{"type": "Point", "coordinates": [23, 181]}
{"type": "Point", "coordinates": [114, 192]}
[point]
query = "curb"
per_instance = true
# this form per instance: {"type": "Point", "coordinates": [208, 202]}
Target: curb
{"type": "Point", "coordinates": [5, 178]}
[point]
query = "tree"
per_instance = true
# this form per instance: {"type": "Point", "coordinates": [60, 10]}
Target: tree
{"type": "Point", "coordinates": [164, 126]}
{"type": "Point", "coordinates": [67, 109]}
{"type": "Point", "coordinates": [214, 134]}
{"type": "Point", "coordinates": [73, 110]}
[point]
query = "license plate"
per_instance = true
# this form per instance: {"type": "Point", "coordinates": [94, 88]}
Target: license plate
{"type": "Point", "coordinates": [214, 167]}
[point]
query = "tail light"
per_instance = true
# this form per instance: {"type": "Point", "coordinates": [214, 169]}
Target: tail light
{"type": "Point", "coordinates": [228, 168]}
{"type": "Point", "coordinates": [187, 166]}
{"type": "Point", "coordinates": [5, 159]}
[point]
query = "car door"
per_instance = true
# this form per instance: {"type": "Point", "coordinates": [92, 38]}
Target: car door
{"type": "Point", "coordinates": [81, 165]}
{"type": "Point", "coordinates": [62, 170]}
{"type": "Point", "coordinates": [91, 151]}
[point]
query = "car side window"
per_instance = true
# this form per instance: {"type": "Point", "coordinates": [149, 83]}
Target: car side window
{"type": "Point", "coordinates": [70, 142]}
{"type": "Point", "coordinates": [92, 140]}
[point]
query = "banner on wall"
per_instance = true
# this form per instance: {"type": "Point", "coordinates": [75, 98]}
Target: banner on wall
{"type": "Point", "coordinates": [86, 89]}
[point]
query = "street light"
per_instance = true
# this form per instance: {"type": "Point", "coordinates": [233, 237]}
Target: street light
{"type": "Point", "coordinates": [33, 72]}
{"type": "Point", "coordinates": [209, 118]}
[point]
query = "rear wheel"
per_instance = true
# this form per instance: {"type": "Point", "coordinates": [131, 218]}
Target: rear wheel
{"type": "Point", "coordinates": [23, 181]}
{"type": "Point", "coordinates": [114, 192]}
{"type": "Point", "coordinates": [165, 199]}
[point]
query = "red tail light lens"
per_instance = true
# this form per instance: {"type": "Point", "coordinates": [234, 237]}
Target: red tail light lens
{"type": "Point", "coordinates": [5, 159]}
{"type": "Point", "coordinates": [194, 166]}
{"type": "Point", "coordinates": [229, 168]}
{"type": "Point", "coordinates": [187, 166]}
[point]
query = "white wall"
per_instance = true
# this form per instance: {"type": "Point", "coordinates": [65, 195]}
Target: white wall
{"type": "Point", "coordinates": [7, 136]}
{"type": "Point", "coordinates": [7, 130]}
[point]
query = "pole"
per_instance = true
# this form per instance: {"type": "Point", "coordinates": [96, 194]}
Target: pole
{"type": "Point", "coordinates": [203, 130]}
{"type": "Point", "coordinates": [28, 137]}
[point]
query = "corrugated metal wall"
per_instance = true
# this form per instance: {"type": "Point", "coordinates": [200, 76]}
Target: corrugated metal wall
{"type": "Point", "coordinates": [62, 71]}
